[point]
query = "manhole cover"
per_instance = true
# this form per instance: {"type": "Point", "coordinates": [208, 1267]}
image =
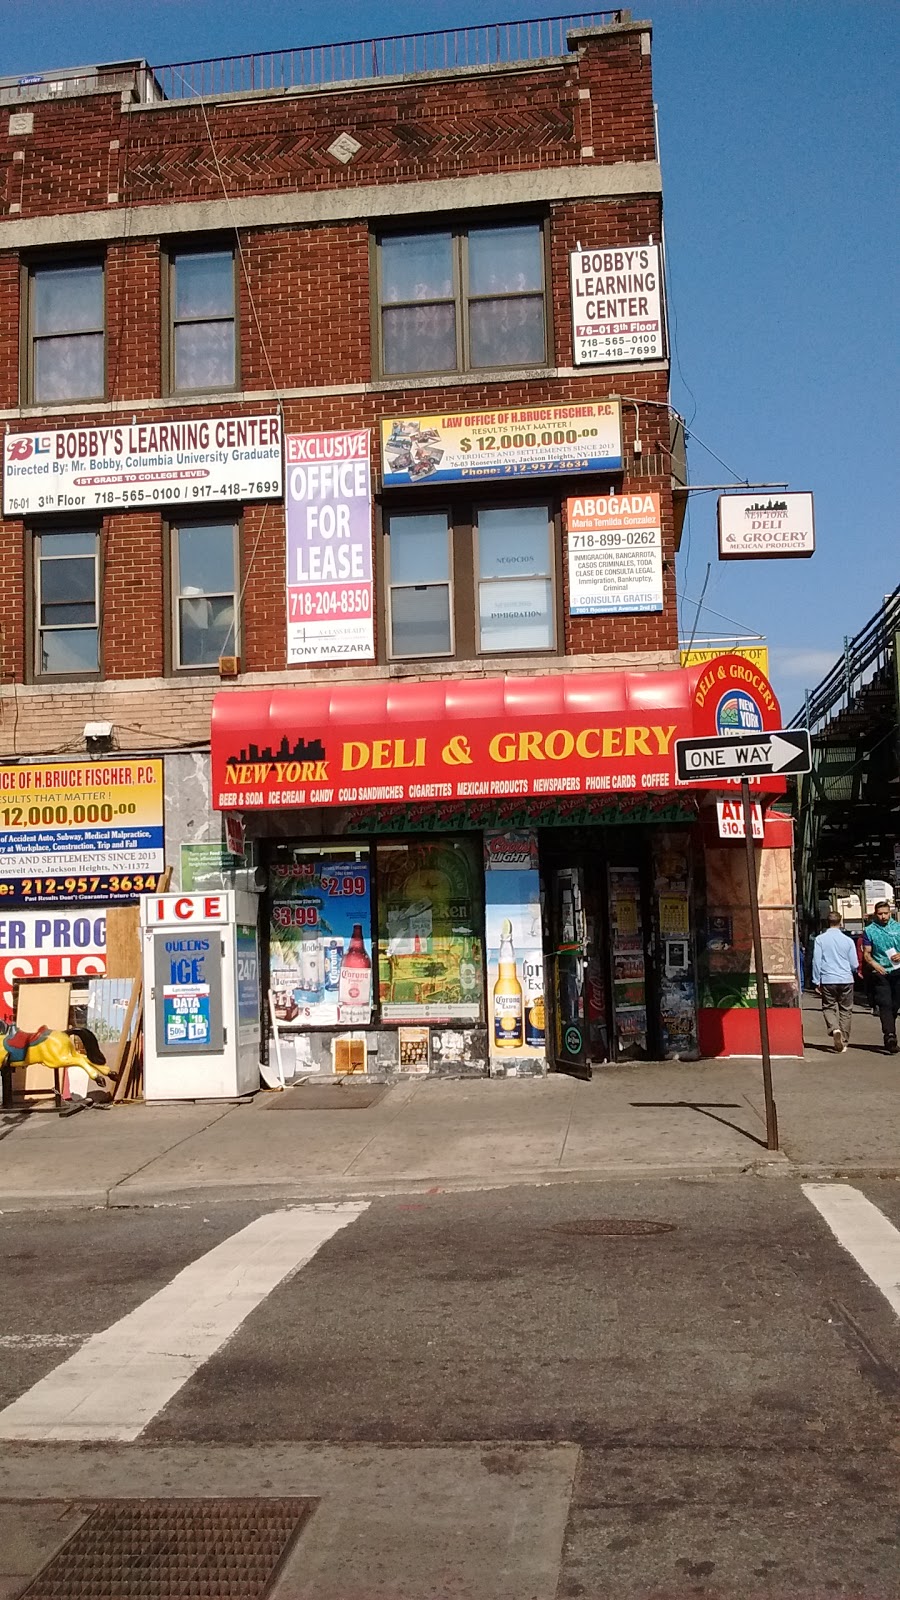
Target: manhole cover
{"type": "Point", "coordinates": [174, 1550]}
{"type": "Point", "coordinates": [614, 1227]}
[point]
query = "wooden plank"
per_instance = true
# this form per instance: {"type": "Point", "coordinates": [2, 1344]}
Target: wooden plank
{"type": "Point", "coordinates": [123, 941]}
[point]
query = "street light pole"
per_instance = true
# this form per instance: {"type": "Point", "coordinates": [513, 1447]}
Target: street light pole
{"type": "Point", "coordinates": [771, 1112]}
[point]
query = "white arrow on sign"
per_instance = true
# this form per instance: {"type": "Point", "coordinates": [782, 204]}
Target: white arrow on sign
{"type": "Point", "coordinates": [729, 756]}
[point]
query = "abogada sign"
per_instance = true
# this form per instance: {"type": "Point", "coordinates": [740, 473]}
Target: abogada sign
{"type": "Point", "coordinates": [759, 526]}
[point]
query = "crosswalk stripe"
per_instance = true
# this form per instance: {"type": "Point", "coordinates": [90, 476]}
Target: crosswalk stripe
{"type": "Point", "coordinates": [865, 1233]}
{"type": "Point", "coordinates": [117, 1382]}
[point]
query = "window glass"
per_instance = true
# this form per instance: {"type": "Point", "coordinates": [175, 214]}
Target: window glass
{"type": "Point", "coordinates": [416, 266]}
{"type": "Point", "coordinates": [68, 299]}
{"type": "Point", "coordinates": [505, 260]}
{"type": "Point", "coordinates": [420, 621]}
{"type": "Point", "coordinates": [419, 338]}
{"type": "Point", "coordinates": [204, 571]}
{"type": "Point", "coordinates": [430, 919]}
{"type": "Point", "coordinates": [513, 541]}
{"type": "Point", "coordinates": [420, 547]}
{"type": "Point", "coordinates": [467, 298]}
{"type": "Point", "coordinates": [320, 935]}
{"type": "Point", "coordinates": [516, 615]}
{"type": "Point", "coordinates": [204, 341]}
{"type": "Point", "coordinates": [507, 333]}
{"type": "Point", "coordinates": [66, 333]}
{"type": "Point", "coordinates": [204, 284]}
{"type": "Point", "coordinates": [67, 634]}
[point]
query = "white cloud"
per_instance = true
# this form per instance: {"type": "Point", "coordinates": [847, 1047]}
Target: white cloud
{"type": "Point", "coordinates": [807, 666]}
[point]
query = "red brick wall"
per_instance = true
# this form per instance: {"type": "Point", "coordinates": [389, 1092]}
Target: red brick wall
{"type": "Point", "coordinates": [423, 129]}
{"type": "Point", "coordinates": [304, 297]}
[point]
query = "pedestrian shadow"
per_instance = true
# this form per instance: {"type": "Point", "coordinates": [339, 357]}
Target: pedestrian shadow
{"type": "Point", "coordinates": [706, 1108]}
{"type": "Point", "coordinates": [828, 1050]}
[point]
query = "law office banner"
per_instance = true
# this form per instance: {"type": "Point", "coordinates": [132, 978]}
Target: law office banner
{"type": "Point", "coordinates": [186, 462]}
{"type": "Point", "coordinates": [80, 830]}
{"type": "Point", "coordinates": [617, 305]}
{"type": "Point", "coordinates": [328, 522]}
{"type": "Point", "coordinates": [534, 441]}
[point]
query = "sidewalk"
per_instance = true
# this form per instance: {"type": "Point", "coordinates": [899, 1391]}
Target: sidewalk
{"type": "Point", "coordinates": [836, 1114]}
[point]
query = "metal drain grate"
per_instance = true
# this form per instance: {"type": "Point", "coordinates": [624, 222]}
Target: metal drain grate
{"type": "Point", "coordinates": [174, 1550]}
{"type": "Point", "coordinates": [614, 1227]}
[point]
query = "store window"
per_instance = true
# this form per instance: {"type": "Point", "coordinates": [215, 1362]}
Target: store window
{"type": "Point", "coordinates": [204, 566]}
{"type": "Point", "coordinates": [202, 344]}
{"type": "Point", "coordinates": [461, 299]}
{"type": "Point", "coordinates": [66, 597]}
{"type": "Point", "coordinates": [471, 580]}
{"type": "Point", "coordinates": [430, 896]}
{"type": "Point", "coordinates": [320, 936]}
{"type": "Point", "coordinates": [65, 338]}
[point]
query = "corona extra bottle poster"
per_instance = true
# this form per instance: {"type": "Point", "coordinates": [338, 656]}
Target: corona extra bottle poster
{"type": "Point", "coordinates": [515, 964]}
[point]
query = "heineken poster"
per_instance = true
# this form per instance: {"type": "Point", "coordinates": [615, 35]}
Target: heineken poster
{"type": "Point", "coordinates": [429, 939]}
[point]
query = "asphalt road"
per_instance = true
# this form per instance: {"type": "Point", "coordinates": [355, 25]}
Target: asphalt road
{"type": "Point", "coordinates": [729, 1389]}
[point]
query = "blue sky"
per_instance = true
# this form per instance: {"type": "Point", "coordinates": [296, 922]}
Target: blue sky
{"type": "Point", "coordinates": [779, 137]}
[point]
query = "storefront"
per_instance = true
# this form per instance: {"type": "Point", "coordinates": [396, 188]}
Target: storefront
{"type": "Point", "coordinates": [498, 875]}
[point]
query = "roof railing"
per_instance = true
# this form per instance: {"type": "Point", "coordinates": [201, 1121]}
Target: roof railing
{"type": "Point", "coordinates": [350, 61]}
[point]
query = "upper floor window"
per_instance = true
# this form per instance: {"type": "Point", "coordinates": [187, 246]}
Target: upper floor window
{"type": "Point", "coordinates": [65, 332]}
{"type": "Point", "coordinates": [202, 350]}
{"type": "Point", "coordinates": [204, 591]}
{"type": "Point", "coordinates": [471, 580]}
{"type": "Point", "coordinates": [66, 584]}
{"type": "Point", "coordinates": [461, 299]}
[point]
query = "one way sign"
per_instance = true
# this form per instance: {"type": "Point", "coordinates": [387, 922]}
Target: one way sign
{"type": "Point", "coordinates": [748, 755]}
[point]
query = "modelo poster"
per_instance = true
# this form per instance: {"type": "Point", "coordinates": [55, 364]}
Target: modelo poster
{"type": "Point", "coordinates": [515, 962]}
{"type": "Point", "coordinates": [320, 946]}
{"type": "Point", "coordinates": [53, 943]}
{"type": "Point", "coordinates": [328, 520]}
{"type": "Point", "coordinates": [615, 554]}
{"type": "Point", "coordinates": [617, 305]}
{"type": "Point", "coordinates": [429, 921]}
{"type": "Point", "coordinates": [582, 436]}
{"type": "Point", "coordinates": [185, 462]}
{"type": "Point", "coordinates": [80, 830]}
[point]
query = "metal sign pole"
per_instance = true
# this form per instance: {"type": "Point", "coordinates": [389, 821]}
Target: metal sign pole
{"type": "Point", "coordinates": [771, 1113]}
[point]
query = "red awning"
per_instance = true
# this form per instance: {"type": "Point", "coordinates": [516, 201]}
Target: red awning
{"type": "Point", "coordinates": [365, 742]}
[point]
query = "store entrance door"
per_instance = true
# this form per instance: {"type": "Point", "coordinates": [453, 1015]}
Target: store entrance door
{"type": "Point", "coordinates": [598, 949]}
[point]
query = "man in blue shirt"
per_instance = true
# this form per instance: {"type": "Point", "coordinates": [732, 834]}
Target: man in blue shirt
{"type": "Point", "coordinates": [881, 952]}
{"type": "Point", "coordinates": [834, 967]}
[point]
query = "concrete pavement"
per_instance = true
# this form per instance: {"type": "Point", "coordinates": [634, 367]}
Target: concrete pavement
{"type": "Point", "coordinates": [837, 1114]}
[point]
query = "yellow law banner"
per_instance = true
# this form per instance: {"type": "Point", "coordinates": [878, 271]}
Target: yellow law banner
{"type": "Point", "coordinates": [757, 653]}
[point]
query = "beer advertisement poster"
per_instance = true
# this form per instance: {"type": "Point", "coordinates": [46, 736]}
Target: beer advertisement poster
{"type": "Point", "coordinates": [320, 945]}
{"type": "Point", "coordinates": [515, 963]}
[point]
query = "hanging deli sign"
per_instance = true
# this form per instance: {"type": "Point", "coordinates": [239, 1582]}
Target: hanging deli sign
{"type": "Point", "coordinates": [615, 554]}
{"type": "Point", "coordinates": [80, 830]}
{"type": "Point", "coordinates": [617, 307]}
{"type": "Point", "coordinates": [328, 521]}
{"type": "Point", "coordinates": [534, 441]}
{"type": "Point", "coordinates": [754, 527]}
{"type": "Point", "coordinates": [367, 744]}
{"type": "Point", "coordinates": [145, 464]}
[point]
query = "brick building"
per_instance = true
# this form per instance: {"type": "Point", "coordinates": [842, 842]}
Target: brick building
{"type": "Point", "coordinates": [389, 334]}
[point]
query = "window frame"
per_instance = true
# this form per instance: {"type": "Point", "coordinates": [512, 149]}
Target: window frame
{"type": "Point", "coordinates": [552, 573]}
{"type": "Point", "coordinates": [168, 253]}
{"type": "Point", "coordinates": [30, 266]}
{"type": "Point", "coordinates": [34, 629]}
{"type": "Point", "coordinates": [464, 580]}
{"type": "Point", "coordinates": [459, 230]}
{"type": "Point", "coordinates": [389, 586]}
{"type": "Point", "coordinates": [171, 526]}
